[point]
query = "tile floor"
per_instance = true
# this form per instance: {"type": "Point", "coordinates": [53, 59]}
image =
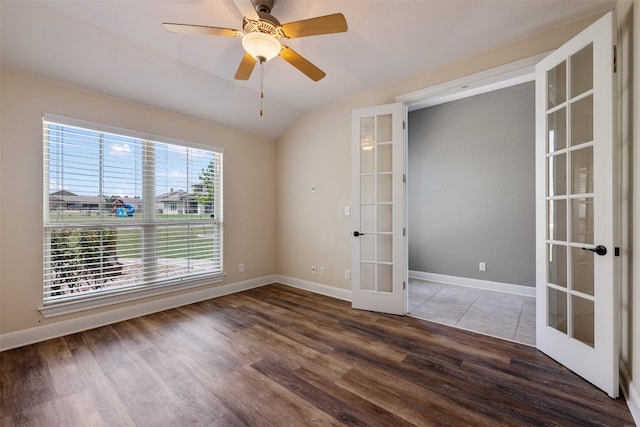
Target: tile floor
{"type": "Point", "coordinates": [500, 314]}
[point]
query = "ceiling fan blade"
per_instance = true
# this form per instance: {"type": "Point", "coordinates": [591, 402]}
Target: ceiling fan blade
{"type": "Point", "coordinates": [247, 9]}
{"type": "Point", "coordinates": [246, 67]}
{"type": "Point", "coordinates": [327, 24]}
{"type": "Point", "coordinates": [298, 61]}
{"type": "Point", "coordinates": [201, 29]}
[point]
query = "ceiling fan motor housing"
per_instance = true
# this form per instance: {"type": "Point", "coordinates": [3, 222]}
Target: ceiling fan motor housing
{"type": "Point", "coordinates": [266, 24]}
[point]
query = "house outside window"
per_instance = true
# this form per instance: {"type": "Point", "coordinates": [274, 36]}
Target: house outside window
{"type": "Point", "coordinates": [121, 215]}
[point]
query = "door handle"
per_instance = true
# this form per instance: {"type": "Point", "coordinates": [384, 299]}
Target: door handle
{"type": "Point", "coordinates": [357, 233]}
{"type": "Point", "coordinates": [600, 250]}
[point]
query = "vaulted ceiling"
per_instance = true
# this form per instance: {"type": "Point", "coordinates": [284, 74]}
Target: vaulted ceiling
{"type": "Point", "coordinates": [119, 48]}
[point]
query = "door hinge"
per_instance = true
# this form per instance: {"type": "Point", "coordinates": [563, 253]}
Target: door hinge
{"type": "Point", "coordinates": [404, 125]}
{"type": "Point", "coordinates": [404, 285]}
{"type": "Point", "coordinates": [404, 231]}
{"type": "Point", "coordinates": [616, 251]}
{"type": "Point", "coordinates": [404, 178]}
{"type": "Point", "coordinates": [615, 59]}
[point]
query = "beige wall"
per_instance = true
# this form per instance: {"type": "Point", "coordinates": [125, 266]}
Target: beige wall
{"type": "Point", "coordinates": [625, 96]}
{"type": "Point", "coordinates": [633, 291]}
{"type": "Point", "coordinates": [249, 179]}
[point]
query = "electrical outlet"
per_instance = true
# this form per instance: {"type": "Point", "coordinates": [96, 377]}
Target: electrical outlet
{"type": "Point", "coordinates": [241, 268]}
{"type": "Point", "coordinates": [347, 275]}
{"type": "Point", "coordinates": [482, 266]}
{"type": "Point", "coordinates": [347, 210]}
{"type": "Point", "coordinates": [313, 269]}
{"type": "Point", "coordinates": [322, 271]}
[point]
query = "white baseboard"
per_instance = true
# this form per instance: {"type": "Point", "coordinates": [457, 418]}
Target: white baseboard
{"type": "Point", "coordinates": [318, 288]}
{"type": "Point", "coordinates": [529, 291]}
{"type": "Point", "coordinates": [66, 327]}
{"type": "Point", "coordinates": [633, 402]}
{"type": "Point", "coordinates": [630, 393]}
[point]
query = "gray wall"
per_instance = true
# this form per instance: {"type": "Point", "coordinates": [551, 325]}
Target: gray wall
{"type": "Point", "coordinates": [471, 187]}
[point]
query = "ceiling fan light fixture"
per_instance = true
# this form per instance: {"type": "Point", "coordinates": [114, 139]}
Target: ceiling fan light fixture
{"type": "Point", "coordinates": [261, 45]}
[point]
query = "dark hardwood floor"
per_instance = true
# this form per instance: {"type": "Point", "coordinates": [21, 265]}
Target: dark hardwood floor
{"type": "Point", "coordinates": [278, 356]}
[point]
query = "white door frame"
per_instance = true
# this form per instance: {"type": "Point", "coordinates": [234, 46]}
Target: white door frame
{"type": "Point", "coordinates": [517, 72]}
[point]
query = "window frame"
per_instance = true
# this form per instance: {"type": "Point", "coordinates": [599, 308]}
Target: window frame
{"type": "Point", "coordinates": [105, 297]}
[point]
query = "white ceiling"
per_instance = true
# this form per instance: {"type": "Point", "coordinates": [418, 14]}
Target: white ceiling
{"type": "Point", "coordinates": [119, 47]}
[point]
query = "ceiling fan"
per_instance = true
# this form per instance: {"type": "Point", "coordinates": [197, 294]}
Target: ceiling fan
{"type": "Point", "coordinates": [262, 36]}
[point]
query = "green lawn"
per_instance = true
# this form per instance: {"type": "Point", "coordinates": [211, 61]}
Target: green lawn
{"type": "Point", "coordinates": [92, 216]}
{"type": "Point", "coordinates": [192, 241]}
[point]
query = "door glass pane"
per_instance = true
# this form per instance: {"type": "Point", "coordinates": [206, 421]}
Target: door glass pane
{"type": "Point", "coordinates": [385, 190]}
{"type": "Point", "coordinates": [557, 85]}
{"type": "Point", "coordinates": [385, 278]}
{"type": "Point", "coordinates": [582, 121]}
{"type": "Point", "coordinates": [582, 71]}
{"type": "Point", "coordinates": [582, 171]}
{"type": "Point", "coordinates": [367, 247]}
{"type": "Point", "coordinates": [385, 158]}
{"type": "Point", "coordinates": [367, 276]}
{"type": "Point", "coordinates": [367, 131]}
{"type": "Point", "coordinates": [557, 309]}
{"type": "Point", "coordinates": [557, 265]}
{"type": "Point", "coordinates": [367, 159]}
{"type": "Point", "coordinates": [582, 220]}
{"type": "Point", "coordinates": [385, 217]}
{"type": "Point", "coordinates": [557, 130]}
{"type": "Point", "coordinates": [368, 218]}
{"type": "Point", "coordinates": [582, 271]}
{"type": "Point", "coordinates": [385, 248]}
{"type": "Point", "coordinates": [557, 172]}
{"type": "Point", "coordinates": [367, 189]}
{"type": "Point", "coordinates": [557, 220]}
{"type": "Point", "coordinates": [583, 316]}
{"type": "Point", "coordinates": [385, 128]}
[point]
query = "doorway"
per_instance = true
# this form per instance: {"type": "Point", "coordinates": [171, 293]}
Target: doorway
{"type": "Point", "coordinates": [471, 211]}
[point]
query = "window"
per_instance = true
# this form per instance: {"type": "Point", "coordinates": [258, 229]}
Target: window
{"type": "Point", "coordinates": [126, 214]}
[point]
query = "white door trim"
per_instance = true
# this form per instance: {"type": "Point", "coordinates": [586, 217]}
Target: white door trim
{"type": "Point", "coordinates": [500, 77]}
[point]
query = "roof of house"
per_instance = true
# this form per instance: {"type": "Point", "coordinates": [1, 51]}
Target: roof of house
{"type": "Point", "coordinates": [172, 196]}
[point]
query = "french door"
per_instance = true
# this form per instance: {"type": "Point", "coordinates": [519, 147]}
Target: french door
{"type": "Point", "coordinates": [576, 267]}
{"type": "Point", "coordinates": [379, 244]}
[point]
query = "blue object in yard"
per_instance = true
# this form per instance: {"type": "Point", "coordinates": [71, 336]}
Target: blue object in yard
{"type": "Point", "coordinates": [126, 211]}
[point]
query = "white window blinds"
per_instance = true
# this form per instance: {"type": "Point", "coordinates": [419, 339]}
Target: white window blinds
{"type": "Point", "coordinates": [125, 211]}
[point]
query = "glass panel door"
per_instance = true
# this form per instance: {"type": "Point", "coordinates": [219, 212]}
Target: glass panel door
{"type": "Point", "coordinates": [576, 280]}
{"type": "Point", "coordinates": [378, 160]}
{"type": "Point", "coordinates": [570, 268]}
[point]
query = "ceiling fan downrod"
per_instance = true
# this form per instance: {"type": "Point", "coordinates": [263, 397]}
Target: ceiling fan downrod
{"type": "Point", "coordinates": [263, 6]}
{"type": "Point", "coordinates": [262, 60]}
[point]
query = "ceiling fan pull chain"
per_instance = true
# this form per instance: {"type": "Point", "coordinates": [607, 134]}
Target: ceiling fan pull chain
{"type": "Point", "coordinates": [261, 84]}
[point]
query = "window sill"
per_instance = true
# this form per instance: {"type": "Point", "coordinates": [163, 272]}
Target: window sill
{"type": "Point", "coordinates": [144, 291]}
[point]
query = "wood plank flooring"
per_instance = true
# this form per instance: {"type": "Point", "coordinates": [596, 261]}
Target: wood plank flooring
{"type": "Point", "coordinates": [278, 356]}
